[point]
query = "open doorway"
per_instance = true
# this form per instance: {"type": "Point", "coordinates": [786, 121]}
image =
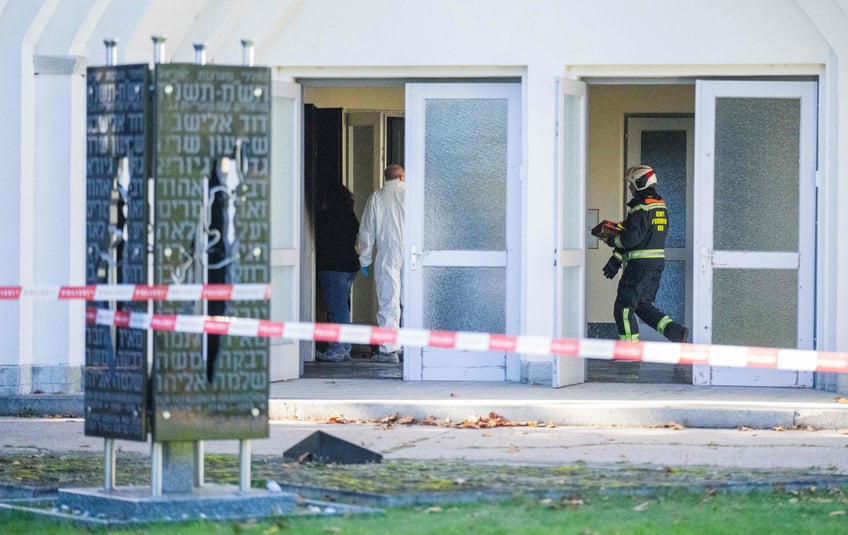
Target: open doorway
{"type": "Point", "coordinates": [631, 125]}
{"type": "Point", "coordinates": [350, 134]}
{"type": "Point", "coordinates": [726, 275]}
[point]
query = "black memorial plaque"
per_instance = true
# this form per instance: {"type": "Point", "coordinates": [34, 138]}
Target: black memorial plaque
{"type": "Point", "coordinates": [116, 246]}
{"type": "Point", "coordinates": [217, 388]}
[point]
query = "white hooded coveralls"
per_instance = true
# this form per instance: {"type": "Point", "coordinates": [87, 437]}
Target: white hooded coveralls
{"type": "Point", "coordinates": [381, 225]}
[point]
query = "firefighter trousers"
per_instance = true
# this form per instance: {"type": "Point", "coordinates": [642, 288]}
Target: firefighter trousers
{"type": "Point", "coordinates": [637, 290]}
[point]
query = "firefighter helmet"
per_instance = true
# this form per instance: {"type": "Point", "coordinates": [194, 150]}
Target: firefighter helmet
{"type": "Point", "coordinates": [641, 177]}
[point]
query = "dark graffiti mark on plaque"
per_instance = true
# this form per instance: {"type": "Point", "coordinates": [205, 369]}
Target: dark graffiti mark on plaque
{"type": "Point", "coordinates": [213, 128]}
{"type": "Point", "coordinates": [117, 168]}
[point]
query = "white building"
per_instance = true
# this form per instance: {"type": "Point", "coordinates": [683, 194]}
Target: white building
{"type": "Point", "coordinates": [741, 102]}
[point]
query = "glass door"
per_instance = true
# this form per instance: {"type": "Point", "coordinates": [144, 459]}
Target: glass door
{"type": "Point", "coordinates": [755, 224]}
{"type": "Point", "coordinates": [463, 151]}
{"type": "Point", "coordinates": [286, 202]}
{"type": "Point", "coordinates": [570, 209]}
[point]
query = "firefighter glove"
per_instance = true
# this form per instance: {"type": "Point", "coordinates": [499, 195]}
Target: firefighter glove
{"type": "Point", "coordinates": [612, 266]}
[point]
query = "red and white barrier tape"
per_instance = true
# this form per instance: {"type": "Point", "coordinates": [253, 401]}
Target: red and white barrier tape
{"type": "Point", "coordinates": [659, 352]}
{"type": "Point", "coordinates": [140, 292]}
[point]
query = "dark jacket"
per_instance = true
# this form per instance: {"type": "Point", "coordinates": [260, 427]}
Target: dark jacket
{"type": "Point", "coordinates": [644, 229]}
{"type": "Point", "coordinates": [335, 233]}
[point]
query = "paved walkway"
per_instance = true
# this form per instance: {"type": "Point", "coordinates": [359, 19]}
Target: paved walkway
{"type": "Point", "coordinates": [593, 423]}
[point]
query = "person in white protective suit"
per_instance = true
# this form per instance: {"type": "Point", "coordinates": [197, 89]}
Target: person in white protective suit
{"type": "Point", "coordinates": [381, 226]}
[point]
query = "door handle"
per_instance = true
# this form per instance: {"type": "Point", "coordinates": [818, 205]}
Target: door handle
{"type": "Point", "coordinates": [706, 258]}
{"type": "Point", "coordinates": [413, 257]}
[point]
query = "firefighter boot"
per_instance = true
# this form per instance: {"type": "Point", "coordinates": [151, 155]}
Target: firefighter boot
{"type": "Point", "coordinates": [676, 332]}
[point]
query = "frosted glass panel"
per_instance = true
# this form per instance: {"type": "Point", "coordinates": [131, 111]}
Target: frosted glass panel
{"type": "Point", "coordinates": [282, 173]}
{"type": "Point", "coordinates": [466, 168]}
{"type": "Point", "coordinates": [755, 307]}
{"type": "Point", "coordinates": [756, 174]}
{"type": "Point", "coordinates": [464, 299]}
{"type": "Point", "coordinates": [362, 148]}
{"type": "Point", "coordinates": [671, 297]}
{"type": "Point", "coordinates": [665, 151]}
{"type": "Point", "coordinates": [571, 303]}
{"type": "Point", "coordinates": [573, 236]}
{"type": "Point", "coordinates": [282, 296]}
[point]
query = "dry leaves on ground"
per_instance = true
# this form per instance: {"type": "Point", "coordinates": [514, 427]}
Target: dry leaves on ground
{"type": "Point", "coordinates": [672, 425]}
{"type": "Point", "coordinates": [793, 428]}
{"type": "Point", "coordinates": [473, 422]}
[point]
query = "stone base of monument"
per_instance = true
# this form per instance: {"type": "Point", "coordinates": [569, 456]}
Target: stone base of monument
{"type": "Point", "coordinates": [129, 505]}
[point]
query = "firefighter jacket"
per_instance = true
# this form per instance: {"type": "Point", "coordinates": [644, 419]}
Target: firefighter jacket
{"type": "Point", "coordinates": [644, 229]}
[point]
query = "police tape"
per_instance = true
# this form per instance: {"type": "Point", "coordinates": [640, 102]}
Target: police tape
{"type": "Point", "coordinates": [140, 292]}
{"type": "Point", "coordinates": [655, 352]}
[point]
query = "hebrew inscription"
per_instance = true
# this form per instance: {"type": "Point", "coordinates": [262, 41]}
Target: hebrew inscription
{"type": "Point", "coordinates": [211, 224]}
{"type": "Point", "coordinates": [117, 168]}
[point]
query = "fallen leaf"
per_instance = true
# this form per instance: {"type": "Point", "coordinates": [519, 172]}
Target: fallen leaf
{"type": "Point", "coordinates": [840, 399]}
{"type": "Point", "coordinates": [744, 428]}
{"type": "Point", "coordinates": [778, 428]}
{"type": "Point", "coordinates": [337, 420]}
{"type": "Point", "coordinates": [429, 420]}
{"type": "Point", "coordinates": [513, 449]}
{"type": "Point", "coordinates": [674, 425]}
{"type": "Point", "coordinates": [389, 419]}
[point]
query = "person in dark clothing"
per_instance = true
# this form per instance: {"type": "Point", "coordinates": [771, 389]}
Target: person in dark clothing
{"type": "Point", "coordinates": [336, 262]}
{"type": "Point", "coordinates": [640, 247]}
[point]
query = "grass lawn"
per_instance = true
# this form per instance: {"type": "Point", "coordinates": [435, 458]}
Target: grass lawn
{"type": "Point", "coordinates": [588, 500]}
{"type": "Point", "coordinates": [813, 511]}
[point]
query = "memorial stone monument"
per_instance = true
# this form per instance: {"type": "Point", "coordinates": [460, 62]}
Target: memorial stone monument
{"type": "Point", "coordinates": [178, 187]}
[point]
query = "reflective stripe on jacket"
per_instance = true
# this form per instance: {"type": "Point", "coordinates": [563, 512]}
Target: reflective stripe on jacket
{"type": "Point", "coordinates": [644, 229]}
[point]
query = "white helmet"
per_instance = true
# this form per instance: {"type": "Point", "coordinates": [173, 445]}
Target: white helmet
{"type": "Point", "coordinates": [641, 177]}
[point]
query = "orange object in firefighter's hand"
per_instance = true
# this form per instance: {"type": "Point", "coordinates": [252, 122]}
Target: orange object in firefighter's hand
{"type": "Point", "coordinates": [606, 229]}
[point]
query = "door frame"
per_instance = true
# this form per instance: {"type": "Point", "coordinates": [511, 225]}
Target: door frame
{"type": "Point", "coordinates": [363, 297]}
{"type": "Point", "coordinates": [661, 122]}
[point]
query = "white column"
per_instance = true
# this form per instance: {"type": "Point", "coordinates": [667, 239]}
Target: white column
{"type": "Point", "coordinates": [16, 155]}
{"type": "Point", "coordinates": [831, 19]}
{"type": "Point", "coordinates": [56, 216]}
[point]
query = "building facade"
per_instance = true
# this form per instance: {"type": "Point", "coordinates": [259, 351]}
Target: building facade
{"type": "Point", "coordinates": [515, 122]}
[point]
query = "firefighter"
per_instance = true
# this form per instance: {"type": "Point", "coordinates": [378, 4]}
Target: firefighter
{"type": "Point", "coordinates": [640, 247]}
